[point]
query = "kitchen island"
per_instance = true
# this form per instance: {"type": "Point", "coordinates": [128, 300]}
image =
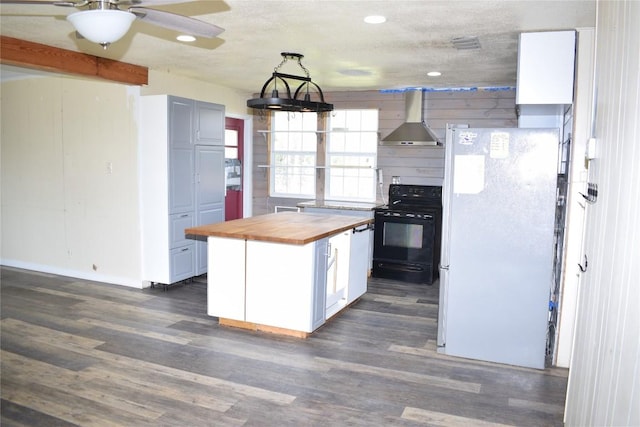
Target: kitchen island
{"type": "Point", "coordinates": [340, 207]}
{"type": "Point", "coordinates": [286, 272]}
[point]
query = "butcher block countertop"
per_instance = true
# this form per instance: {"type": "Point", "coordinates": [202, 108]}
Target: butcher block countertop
{"type": "Point", "coordinates": [295, 228]}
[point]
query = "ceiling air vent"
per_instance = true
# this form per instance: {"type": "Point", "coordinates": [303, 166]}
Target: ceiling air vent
{"type": "Point", "coordinates": [466, 43]}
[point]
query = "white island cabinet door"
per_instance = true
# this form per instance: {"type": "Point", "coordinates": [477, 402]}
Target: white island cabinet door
{"type": "Point", "coordinates": [280, 285]}
{"type": "Point", "coordinates": [226, 278]}
{"type": "Point", "coordinates": [358, 263]}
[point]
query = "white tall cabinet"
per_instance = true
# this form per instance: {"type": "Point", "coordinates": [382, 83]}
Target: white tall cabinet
{"type": "Point", "coordinates": [181, 183]}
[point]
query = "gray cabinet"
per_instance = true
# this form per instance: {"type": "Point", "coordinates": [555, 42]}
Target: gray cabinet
{"type": "Point", "coordinates": [181, 122]}
{"type": "Point", "coordinates": [181, 174]}
{"type": "Point", "coordinates": [209, 188]}
{"type": "Point", "coordinates": [181, 183]}
{"type": "Point", "coordinates": [209, 124]}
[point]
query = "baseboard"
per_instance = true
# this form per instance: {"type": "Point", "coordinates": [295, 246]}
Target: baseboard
{"type": "Point", "coordinates": [85, 275]}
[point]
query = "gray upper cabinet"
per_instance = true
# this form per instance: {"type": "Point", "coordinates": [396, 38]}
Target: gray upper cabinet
{"type": "Point", "coordinates": [181, 183]}
{"type": "Point", "coordinates": [181, 112]}
{"type": "Point", "coordinates": [209, 124]}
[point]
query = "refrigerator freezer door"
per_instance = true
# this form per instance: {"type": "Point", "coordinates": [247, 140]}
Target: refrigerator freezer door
{"type": "Point", "coordinates": [500, 252]}
{"type": "Point", "coordinates": [444, 245]}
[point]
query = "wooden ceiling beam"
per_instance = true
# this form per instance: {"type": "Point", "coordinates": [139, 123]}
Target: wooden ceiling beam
{"type": "Point", "coordinates": [21, 53]}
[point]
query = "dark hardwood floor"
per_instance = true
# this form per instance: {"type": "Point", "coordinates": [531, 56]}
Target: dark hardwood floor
{"type": "Point", "coordinates": [76, 352]}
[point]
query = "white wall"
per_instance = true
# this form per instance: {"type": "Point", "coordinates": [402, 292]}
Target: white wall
{"type": "Point", "coordinates": [69, 172]}
{"type": "Point", "coordinates": [581, 131]}
{"type": "Point", "coordinates": [160, 83]}
{"type": "Point", "coordinates": [69, 158]}
{"type": "Point", "coordinates": [604, 379]}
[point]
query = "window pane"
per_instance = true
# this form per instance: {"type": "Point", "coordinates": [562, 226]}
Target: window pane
{"type": "Point", "coordinates": [230, 152]}
{"type": "Point", "coordinates": [231, 137]}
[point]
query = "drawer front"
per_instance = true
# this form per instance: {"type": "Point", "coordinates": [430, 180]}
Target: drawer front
{"type": "Point", "coordinates": [183, 262]}
{"type": "Point", "coordinates": [177, 224]}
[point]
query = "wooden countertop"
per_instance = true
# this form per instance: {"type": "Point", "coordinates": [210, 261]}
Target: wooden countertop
{"type": "Point", "coordinates": [296, 228]}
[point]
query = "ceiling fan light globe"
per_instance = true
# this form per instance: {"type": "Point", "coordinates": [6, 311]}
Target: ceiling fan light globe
{"type": "Point", "coordinates": [102, 26]}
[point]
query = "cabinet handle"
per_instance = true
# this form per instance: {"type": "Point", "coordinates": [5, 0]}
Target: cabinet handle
{"type": "Point", "coordinates": [360, 230]}
{"type": "Point", "coordinates": [184, 249]}
{"type": "Point", "coordinates": [184, 215]}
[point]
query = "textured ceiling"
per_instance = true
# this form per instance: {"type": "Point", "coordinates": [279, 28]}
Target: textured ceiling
{"type": "Point", "coordinates": [341, 51]}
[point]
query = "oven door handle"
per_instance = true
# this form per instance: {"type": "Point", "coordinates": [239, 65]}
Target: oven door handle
{"type": "Point", "coordinates": [401, 266]}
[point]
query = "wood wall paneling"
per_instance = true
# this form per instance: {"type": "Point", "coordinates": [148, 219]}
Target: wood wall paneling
{"type": "Point", "coordinates": [414, 165]}
{"type": "Point", "coordinates": [604, 385]}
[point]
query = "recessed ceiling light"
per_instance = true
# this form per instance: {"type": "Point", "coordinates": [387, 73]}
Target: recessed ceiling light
{"type": "Point", "coordinates": [186, 38]}
{"type": "Point", "coordinates": [375, 19]}
{"type": "Point", "coordinates": [434, 74]}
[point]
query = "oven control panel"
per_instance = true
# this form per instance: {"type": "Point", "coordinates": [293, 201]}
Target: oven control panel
{"type": "Point", "coordinates": [405, 214]}
{"type": "Point", "coordinates": [424, 195]}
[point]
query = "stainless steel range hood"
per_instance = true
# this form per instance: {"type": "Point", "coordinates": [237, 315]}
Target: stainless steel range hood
{"type": "Point", "coordinates": [413, 131]}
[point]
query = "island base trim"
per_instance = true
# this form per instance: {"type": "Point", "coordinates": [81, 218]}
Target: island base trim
{"type": "Point", "coordinates": [262, 328]}
{"type": "Point", "coordinates": [241, 324]}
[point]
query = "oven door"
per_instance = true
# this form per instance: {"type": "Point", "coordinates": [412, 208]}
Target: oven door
{"type": "Point", "coordinates": [403, 246]}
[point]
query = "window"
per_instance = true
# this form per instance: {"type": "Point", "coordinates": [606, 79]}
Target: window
{"type": "Point", "coordinates": [350, 168]}
{"type": "Point", "coordinates": [351, 155]}
{"type": "Point", "coordinates": [293, 154]}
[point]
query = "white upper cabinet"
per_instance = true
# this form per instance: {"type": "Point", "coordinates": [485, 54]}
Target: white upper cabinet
{"type": "Point", "coordinates": [546, 62]}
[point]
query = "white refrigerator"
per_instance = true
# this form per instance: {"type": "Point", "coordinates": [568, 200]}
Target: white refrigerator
{"type": "Point", "coordinates": [499, 199]}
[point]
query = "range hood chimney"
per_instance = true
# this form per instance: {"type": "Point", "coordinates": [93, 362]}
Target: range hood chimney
{"type": "Point", "coordinates": [413, 131]}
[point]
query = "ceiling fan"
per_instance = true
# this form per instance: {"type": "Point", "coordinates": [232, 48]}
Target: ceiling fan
{"type": "Point", "coordinates": [104, 22]}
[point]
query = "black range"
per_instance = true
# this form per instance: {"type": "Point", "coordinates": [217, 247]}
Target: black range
{"type": "Point", "coordinates": [407, 234]}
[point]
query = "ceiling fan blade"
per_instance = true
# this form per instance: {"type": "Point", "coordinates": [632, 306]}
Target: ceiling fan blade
{"type": "Point", "coordinates": [177, 22]}
{"type": "Point", "coordinates": [55, 3]}
{"type": "Point", "coordinates": [149, 2]}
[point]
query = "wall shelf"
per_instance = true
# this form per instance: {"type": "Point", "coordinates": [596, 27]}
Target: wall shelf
{"type": "Point", "coordinates": [264, 133]}
{"type": "Point", "coordinates": [317, 131]}
{"type": "Point", "coordinates": [320, 167]}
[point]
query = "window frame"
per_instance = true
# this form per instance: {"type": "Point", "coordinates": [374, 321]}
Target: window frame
{"type": "Point", "coordinates": [321, 174]}
{"type": "Point", "coordinates": [370, 170]}
{"type": "Point", "coordinates": [289, 135]}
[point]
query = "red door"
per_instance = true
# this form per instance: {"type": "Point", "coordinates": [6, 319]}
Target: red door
{"type": "Point", "coordinates": [233, 150]}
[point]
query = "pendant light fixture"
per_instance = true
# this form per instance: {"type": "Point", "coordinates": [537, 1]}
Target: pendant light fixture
{"type": "Point", "coordinates": [102, 26]}
{"type": "Point", "coordinates": [271, 97]}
